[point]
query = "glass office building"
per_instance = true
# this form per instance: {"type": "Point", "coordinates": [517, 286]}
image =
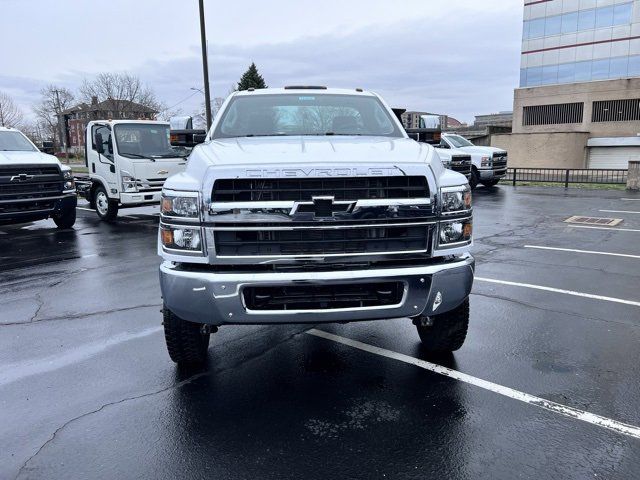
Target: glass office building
{"type": "Point", "coordinates": [572, 41]}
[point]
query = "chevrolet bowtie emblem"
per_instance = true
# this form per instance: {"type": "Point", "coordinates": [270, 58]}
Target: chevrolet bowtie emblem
{"type": "Point", "coordinates": [23, 177]}
{"type": "Point", "coordinates": [323, 207]}
{"type": "Point", "coordinates": [163, 172]}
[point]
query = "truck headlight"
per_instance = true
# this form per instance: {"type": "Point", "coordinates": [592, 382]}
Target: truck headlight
{"type": "Point", "coordinates": [486, 161]}
{"type": "Point", "coordinates": [181, 238]}
{"type": "Point", "coordinates": [178, 206]}
{"type": "Point", "coordinates": [456, 232]}
{"type": "Point", "coordinates": [455, 199]}
{"type": "Point", "coordinates": [69, 182]}
{"type": "Point", "coordinates": [128, 182]}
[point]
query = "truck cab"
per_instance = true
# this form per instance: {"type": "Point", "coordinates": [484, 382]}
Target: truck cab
{"type": "Point", "coordinates": [128, 162]}
{"type": "Point", "coordinates": [489, 164]}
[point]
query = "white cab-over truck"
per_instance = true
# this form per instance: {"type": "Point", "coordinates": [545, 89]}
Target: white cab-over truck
{"type": "Point", "coordinates": [128, 163]}
{"type": "Point", "coordinates": [488, 164]}
{"type": "Point", "coordinates": [33, 185]}
{"type": "Point", "coordinates": [310, 205]}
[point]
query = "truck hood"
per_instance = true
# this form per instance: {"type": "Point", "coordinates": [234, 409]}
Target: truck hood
{"type": "Point", "coordinates": [312, 150]}
{"type": "Point", "coordinates": [26, 158]}
{"type": "Point", "coordinates": [481, 150]}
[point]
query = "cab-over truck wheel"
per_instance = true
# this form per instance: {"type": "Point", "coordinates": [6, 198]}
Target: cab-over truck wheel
{"type": "Point", "coordinates": [187, 342]}
{"type": "Point", "coordinates": [446, 332]}
{"type": "Point", "coordinates": [106, 208]}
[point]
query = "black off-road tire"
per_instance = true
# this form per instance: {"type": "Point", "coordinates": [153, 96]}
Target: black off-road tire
{"type": "Point", "coordinates": [186, 343]}
{"type": "Point", "coordinates": [66, 219]}
{"type": "Point", "coordinates": [491, 183]}
{"type": "Point", "coordinates": [106, 209]}
{"type": "Point", "coordinates": [448, 331]}
{"type": "Point", "coordinates": [474, 179]}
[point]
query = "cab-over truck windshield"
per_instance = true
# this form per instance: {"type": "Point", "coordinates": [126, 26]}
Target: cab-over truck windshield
{"type": "Point", "coordinates": [145, 141]}
{"type": "Point", "coordinates": [305, 114]}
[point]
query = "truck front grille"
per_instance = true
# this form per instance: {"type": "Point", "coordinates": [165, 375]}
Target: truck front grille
{"type": "Point", "coordinates": [461, 164]}
{"type": "Point", "coordinates": [150, 184]}
{"type": "Point", "coordinates": [29, 188]}
{"type": "Point", "coordinates": [303, 189]}
{"type": "Point", "coordinates": [348, 240]}
{"type": "Point", "coordinates": [499, 160]}
{"type": "Point", "coordinates": [323, 297]}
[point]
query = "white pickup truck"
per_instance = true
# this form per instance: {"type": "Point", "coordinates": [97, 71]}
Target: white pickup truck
{"type": "Point", "coordinates": [488, 164]}
{"type": "Point", "coordinates": [33, 185]}
{"type": "Point", "coordinates": [311, 205]}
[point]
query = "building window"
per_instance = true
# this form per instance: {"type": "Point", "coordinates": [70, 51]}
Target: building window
{"type": "Point", "coordinates": [553, 114]}
{"type": "Point", "coordinates": [602, 69]}
{"type": "Point", "coordinates": [602, 17]}
{"type": "Point", "coordinates": [616, 111]}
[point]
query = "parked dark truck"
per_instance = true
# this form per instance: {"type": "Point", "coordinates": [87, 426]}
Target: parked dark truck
{"type": "Point", "coordinates": [312, 205]}
{"type": "Point", "coordinates": [33, 185]}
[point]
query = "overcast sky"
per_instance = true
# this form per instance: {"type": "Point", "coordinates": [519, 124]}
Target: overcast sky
{"type": "Point", "coordinates": [459, 57]}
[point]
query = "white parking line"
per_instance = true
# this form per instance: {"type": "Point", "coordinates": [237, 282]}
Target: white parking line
{"type": "Point", "coordinates": [605, 228]}
{"type": "Point", "coordinates": [86, 209]}
{"type": "Point", "coordinates": [618, 211]}
{"type": "Point", "coordinates": [560, 290]}
{"type": "Point", "coordinates": [630, 199]}
{"type": "Point", "coordinates": [570, 412]}
{"type": "Point", "coordinates": [590, 252]}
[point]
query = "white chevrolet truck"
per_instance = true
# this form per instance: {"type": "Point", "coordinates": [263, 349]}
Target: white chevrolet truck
{"type": "Point", "coordinates": [488, 164]}
{"type": "Point", "coordinates": [33, 185]}
{"type": "Point", "coordinates": [311, 205]}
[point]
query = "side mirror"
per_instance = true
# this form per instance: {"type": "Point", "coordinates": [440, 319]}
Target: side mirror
{"type": "Point", "coordinates": [187, 138]}
{"type": "Point", "coordinates": [97, 141]}
{"type": "Point", "coordinates": [443, 145]}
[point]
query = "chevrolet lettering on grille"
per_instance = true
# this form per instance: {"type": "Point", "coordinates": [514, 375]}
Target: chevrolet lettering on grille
{"type": "Point", "coordinates": [321, 172]}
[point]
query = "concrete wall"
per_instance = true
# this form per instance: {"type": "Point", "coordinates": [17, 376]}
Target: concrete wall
{"type": "Point", "coordinates": [579, 92]}
{"type": "Point", "coordinates": [551, 150]}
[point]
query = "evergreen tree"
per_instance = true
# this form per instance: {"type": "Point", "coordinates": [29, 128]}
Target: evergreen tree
{"type": "Point", "coordinates": [251, 79]}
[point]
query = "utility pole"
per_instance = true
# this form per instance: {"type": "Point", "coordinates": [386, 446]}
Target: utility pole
{"type": "Point", "coordinates": [61, 126]}
{"type": "Point", "coordinates": [205, 66]}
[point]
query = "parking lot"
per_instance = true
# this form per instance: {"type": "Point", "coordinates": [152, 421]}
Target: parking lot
{"type": "Point", "coordinates": [546, 385]}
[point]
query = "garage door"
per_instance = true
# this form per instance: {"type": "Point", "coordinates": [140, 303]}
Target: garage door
{"type": "Point", "coordinates": [612, 157]}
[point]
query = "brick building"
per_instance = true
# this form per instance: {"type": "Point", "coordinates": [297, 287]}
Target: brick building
{"type": "Point", "coordinates": [75, 119]}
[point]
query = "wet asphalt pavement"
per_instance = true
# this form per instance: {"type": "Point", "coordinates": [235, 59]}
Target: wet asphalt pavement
{"type": "Point", "coordinates": [87, 389]}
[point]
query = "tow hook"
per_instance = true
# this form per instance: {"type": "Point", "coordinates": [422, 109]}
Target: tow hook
{"type": "Point", "coordinates": [423, 321]}
{"type": "Point", "coordinates": [208, 329]}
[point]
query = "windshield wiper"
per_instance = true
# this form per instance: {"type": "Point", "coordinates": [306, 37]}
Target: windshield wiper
{"type": "Point", "coordinates": [136, 155]}
{"type": "Point", "coordinates": [172, 155]}
{"type": "Point", "coordinates": [333, 134]}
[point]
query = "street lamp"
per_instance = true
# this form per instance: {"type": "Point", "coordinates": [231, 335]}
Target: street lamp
{"type": "Point", "coordinates": [205, 66]}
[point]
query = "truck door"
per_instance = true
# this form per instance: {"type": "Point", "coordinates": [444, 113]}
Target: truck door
{"type": "Point", "coordinates": [101, 158]}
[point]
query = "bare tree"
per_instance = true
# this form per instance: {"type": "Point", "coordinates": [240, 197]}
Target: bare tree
{"type": "Point", "coordinates": [121, 88]}
{"type": "Point", "coordinates": [54, 101]}
{"type": "Point", "coordinates": [10, 113]}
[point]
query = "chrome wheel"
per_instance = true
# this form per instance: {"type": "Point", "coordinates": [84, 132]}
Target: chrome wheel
{"type": "Point", "coordinates": [102, 203]}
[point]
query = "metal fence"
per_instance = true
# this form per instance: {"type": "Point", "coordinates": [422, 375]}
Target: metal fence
{"type": "Point", "coordinates": [568, 176]}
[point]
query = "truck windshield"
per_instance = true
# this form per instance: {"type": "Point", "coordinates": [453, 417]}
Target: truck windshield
{"type": "Point", "coordinates": [139, 140]}
{"type": "Point", "coordinates": [458, 142]}
{"type": "Point", "coordinates": [305, 114]}
{"type": "Point", "coordinates": [15, 142]}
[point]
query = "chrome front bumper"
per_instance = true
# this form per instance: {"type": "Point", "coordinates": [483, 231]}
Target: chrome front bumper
{"type": "Point", "coordinates": [217, 298]}
{"type": "Point", "coordinates": [491, 173]}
